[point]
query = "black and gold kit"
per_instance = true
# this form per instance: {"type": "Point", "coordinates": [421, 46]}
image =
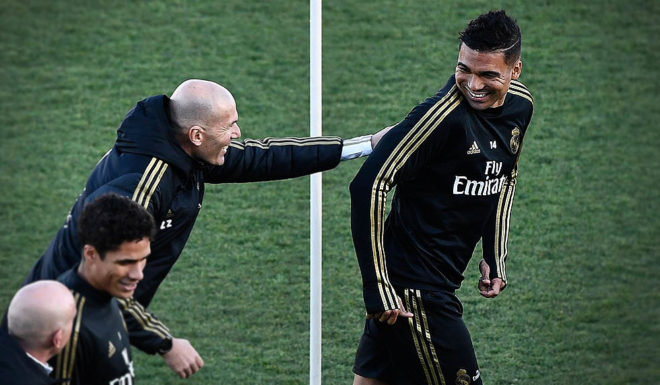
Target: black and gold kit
{"type": "Point", "coordinates": [99, 350]}
{"type": "Point", "coordinates": [16, 367]}
{"type": "Point", "coordinates": [454, 169]}
{"type": "Point", "coordinates": [148, 165]}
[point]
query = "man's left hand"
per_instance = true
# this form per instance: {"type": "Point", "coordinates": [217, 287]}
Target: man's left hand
{"type": "Point", "coordinates": [183, 359]}
{"type": "Point", "coordinates": [489, 288]}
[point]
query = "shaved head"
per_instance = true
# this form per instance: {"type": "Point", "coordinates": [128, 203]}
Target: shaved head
{"type": "Point", "coordinates": [198, 102]}
{"type": "Point", "coordinates": [38, 310]}
{"type": "Point", "coordinates": [204, 118]}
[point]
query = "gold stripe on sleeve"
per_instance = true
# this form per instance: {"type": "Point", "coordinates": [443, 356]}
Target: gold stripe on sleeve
{"type": "Point", "coordinates": [146, 320]}
{"type": "Point", "coordinates": [502, 221]}
{"type": "Point", "coordinates": [385, 179]}
{"type": "Point", "coordinates": [265, 143]}
{"type": "Point", "coordinates": [517, 88]}
{"type": "Point", "coordinates": [522, 94]}
{"type": "Point", "coordinates": [147, 186]}
{"type": "Point", "coordinates": [154, 185]}
{"type": "Point", "coordinates": [145, 175]}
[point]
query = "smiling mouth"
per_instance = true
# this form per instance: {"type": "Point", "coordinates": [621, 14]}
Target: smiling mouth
{"type": "Point", "coordinates": [476, 95]}
{"type": "Point", "coordinates": [129, 286]}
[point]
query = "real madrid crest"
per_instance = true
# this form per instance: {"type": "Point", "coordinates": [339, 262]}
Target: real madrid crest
{"type": "Point", "coordinates": [462, 378]}
{"type": "Point", "coordinates": [514, 143]}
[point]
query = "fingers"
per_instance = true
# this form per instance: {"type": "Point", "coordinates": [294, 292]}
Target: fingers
{"type": "Point", "coordinates": [390, 316]}
{"type": "Point", "coordinates": [491, 289]}
{"type": "Point", "coordinates": [484, 269]}
{"type": "Point", "coordinates": [183, 359]}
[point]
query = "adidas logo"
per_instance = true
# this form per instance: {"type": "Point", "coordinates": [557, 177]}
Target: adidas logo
{"type": "Point", "coordinates": [474, 149]}
{"type": "Point", "coordinates": [111, 349]}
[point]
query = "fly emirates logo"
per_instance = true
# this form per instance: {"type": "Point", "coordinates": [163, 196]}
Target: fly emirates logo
{"type": "Point", "coordinates": [491, 185]}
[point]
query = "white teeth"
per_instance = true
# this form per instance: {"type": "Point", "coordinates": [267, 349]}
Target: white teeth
{"type": "Point", "coordinates": [476, 95]}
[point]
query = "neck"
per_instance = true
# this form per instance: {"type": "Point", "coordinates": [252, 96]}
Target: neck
{"type": "Point", "coordinates": [84, 273]}
{"type": "Point", "coordinates": [42, 355]}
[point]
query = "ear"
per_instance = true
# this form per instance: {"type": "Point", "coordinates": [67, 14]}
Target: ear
{"type": "Point", "coordinates": [196, 135]}
{"type": "Point", "coordinates": [517, 70]}
{"type": "Point", "coordinates": [58, 339]}
{"type": "Point", "coordinates": [90, 253]}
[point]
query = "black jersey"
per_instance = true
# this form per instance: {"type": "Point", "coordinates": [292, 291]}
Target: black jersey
{"type": "Point", "coordinates": [98, 351]}
{"type": "Point", "coordinates": [16, 367]}
{"type": "Point", "coordinates": [455, 170]}
{"type": "Point", "coordinates": [147, 164]}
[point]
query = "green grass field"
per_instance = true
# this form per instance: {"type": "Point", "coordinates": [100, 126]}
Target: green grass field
{"type": "Point", "coordinates": [581, 306]}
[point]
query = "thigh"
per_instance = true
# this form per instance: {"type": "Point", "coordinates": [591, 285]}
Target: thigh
{"type": "Point", "coordinates": [372, 359]}
{"type": "Point", "coordinates": [433, 347]}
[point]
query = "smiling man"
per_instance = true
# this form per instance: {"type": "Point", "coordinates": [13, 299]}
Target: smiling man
{"type": "Point", "coordinates": [167, 150]}
{"type": "Point", "coordinates": [453, 161]}
{"type": "Point", "coordinates": [116, 236]}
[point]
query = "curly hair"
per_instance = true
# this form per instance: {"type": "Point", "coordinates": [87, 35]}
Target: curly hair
{"type": "Point", "coordinates": [111, 220]}
{"type": "Point", "coordinates": [493, 31]}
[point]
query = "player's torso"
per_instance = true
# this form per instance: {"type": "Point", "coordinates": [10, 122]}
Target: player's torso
{"type": "Point", "coordinates": [110, 360]}
{"type": "Point", "coordinates": [438, 215]}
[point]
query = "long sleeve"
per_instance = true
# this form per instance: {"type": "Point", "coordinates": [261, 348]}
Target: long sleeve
{"type": "Point", "coordinates": [145, 331]}
{"type": "Point", "coordinates": [276, 158]}
{"type": "Point", "coordinates": [400, 154]}
{"type": "Point", "coordinates": [496, 232]}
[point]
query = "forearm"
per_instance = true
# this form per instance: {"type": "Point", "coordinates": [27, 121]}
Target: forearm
{"type": "Point", "coordinates": [276, 158]}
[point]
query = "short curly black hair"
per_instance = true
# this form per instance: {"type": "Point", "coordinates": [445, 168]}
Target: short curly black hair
{"type": "Point", "coordinates": [493, 31]}
{"type": "Point", "coordinates": [112, 219]}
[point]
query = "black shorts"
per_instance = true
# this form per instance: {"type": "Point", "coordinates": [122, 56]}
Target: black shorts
{"type": "Point", "coordinates": [433, 347]}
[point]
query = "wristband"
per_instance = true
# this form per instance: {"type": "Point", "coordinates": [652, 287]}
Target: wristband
{"type": "Point", "coordinates": [356, 147]}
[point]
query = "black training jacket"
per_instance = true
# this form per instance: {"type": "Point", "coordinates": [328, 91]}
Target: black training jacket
{"type": "Point", "coordinates": [454, 169]}
{"type": "Point", "coordinates": [148, 165]}
{"type": "Point", "coordinates": [16, 368]}
{"type": "Point", "coordinates": [98, 351]}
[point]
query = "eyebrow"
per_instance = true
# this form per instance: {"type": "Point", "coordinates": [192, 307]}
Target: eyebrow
{"type": "Point", "coordinates": [129, 261]}
{"type": "Point", "coordinates": [483, 73]}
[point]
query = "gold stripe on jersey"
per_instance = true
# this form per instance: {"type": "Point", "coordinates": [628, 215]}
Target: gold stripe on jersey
{"type": "Point", "coordinates": [144, 318]}
{"type": "Point", "coordinates": [67, 357]}
{"type": "Point", "coordinates": [517, 88]}
{"type": "Point", "coordinates": [502, 221]}
{"type": "Point", "coordinates": [149, 181]}
{"type": "Point", "coordinates": [154, 185]}
{"type": "Point", "coordinates": [385, 179]}
{"type": "Point", "coordinates": [504, 235]}
{"type": "Point", "coordinates": [145, 175]}
{"type": "Point", "coordinates": [273, 142]}
{"type": "Point", "coordinates": [419, 329]}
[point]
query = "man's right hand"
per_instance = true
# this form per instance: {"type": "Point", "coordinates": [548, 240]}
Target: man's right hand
{"type": "Point", "coordinates": [183, 358]}
{"type": "Point", "coordinates": [390, 316]}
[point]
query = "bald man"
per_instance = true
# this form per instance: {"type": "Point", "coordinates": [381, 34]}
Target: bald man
{"type": "Point", "coordinates": [167, 149]}
{"type": "Point", "coordinates": [39, 321]}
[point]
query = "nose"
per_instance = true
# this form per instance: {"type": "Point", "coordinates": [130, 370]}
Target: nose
{"type": "Point", "coordinates": [475, 83]}
{"type": "Point", "coordinates": [236, 133]}
{"type": "Point", "coordinates": [135, 273]}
